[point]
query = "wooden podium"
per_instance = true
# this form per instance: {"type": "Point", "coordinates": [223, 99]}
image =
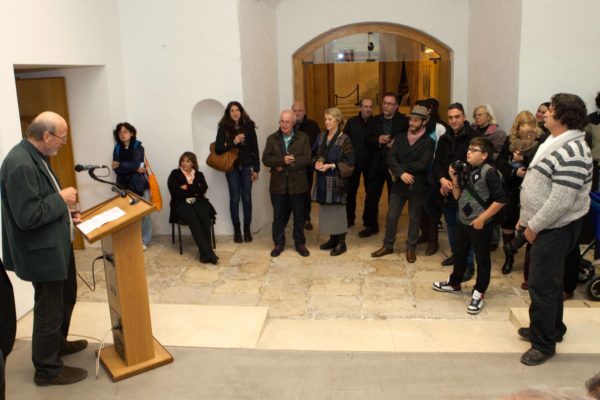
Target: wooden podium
{"type": "Point", "coordinates": [135, 350]}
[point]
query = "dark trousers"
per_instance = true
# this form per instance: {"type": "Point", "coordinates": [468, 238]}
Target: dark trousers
{"type": "Point", "coordinates": [310, 175]}
{"type": "Point", "coordinates": [374, 190]}
{"type": "Point", "coordinates": [571, 277]}
{"type": "Point", "coordinates": [353, 185]}
{"type": "Point", "coordinates": [240, 187]}
{"type": "Point", "coordinates": [467, 236]}
{"type": "Point", "coordinates": [395, 206]}
{"type": "Point", "coordinates": [8, 324]}
{"type": "Point", "coordinates": [53, 305]}
{"type": "Point", "coordinates": [283, 206]}
{"type": "Point", "coordinates": [546, 284]}
{"type": "Point", "coordinates": [197, 217]}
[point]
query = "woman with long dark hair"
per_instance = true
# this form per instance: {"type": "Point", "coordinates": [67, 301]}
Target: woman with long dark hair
{"type": "Point", "coordinates": [129, 165]}
{"type": "Point", "coordinates": [237, 130]}
{"type": "Point", "coordinates": [188, 186]}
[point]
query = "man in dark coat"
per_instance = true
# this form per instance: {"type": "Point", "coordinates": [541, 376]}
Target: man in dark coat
{"type": "Point", "coordinates": [37, 230]}
{"type": "Point", "coordinates": [287, 152]}
{"type": "Point", "coordinates": [389, 124]}
{"type": "Point", "coordinates": [451, 147]}
{"type": "Point", "coordinates": [358, 128]}
{"type": "Point", "coordinates": [408, 160]}
{"type": "Point", "coordinates": [8, 324]}
{"type": "Point", "coordinates": [311, 128]}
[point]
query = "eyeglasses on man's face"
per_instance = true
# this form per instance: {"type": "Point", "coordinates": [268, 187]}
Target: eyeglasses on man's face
{"type": "Point", "coordinates": [474, 150]}
{"type": "Point", "coordinates": [61, 138]}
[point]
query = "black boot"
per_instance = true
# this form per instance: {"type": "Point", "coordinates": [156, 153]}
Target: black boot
{"type": "Point", "coordinates": [340, 248]}
{"type": "Point", "coordinates": [433, 245]}
{"type": "Point", "coordinates": [330, 244]}
{"type": "Point", "coordinates": [247, 233]}
{"type": "Point", "coordinates": [237, 233]}
{"type": "Point", "coordinates": [509, 255]}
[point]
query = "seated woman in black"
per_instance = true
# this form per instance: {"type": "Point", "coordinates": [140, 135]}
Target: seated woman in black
{"type": "Point", "coordinates": [189, 206]}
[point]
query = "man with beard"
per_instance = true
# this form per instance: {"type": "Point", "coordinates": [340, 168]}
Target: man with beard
{"type": "Point", "coordinates": [408, 160]}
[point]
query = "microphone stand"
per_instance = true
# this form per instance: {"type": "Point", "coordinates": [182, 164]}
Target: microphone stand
{"type": "Point", "coordinates": [115, 187]}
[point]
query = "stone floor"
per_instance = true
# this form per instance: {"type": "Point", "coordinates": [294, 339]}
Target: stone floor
{"type": "Point", "coordinates": [351, 286]}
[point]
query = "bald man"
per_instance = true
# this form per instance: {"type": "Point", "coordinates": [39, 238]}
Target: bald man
{"type": "Point", "coordinates": [37, 230]}
{"type": "Point", "coordinates": [311, 128]}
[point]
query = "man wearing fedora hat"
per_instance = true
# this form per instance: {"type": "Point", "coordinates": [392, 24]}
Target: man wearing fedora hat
{"type": "Point", "coordinates": [408, 160]}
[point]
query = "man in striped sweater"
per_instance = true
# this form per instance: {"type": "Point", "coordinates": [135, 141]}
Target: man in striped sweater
{"type": "Point", "coordinates": [554, 197]}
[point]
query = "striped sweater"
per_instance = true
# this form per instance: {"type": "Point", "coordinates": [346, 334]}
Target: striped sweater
{"type": "Point", "coordinates": [556, 188]}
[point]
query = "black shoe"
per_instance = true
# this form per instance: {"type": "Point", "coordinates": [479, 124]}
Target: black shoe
{"type": "Point", "coordinates": [339, 249]}
{"type": "Point", "coordinates": [469, 272]}
{"type": "Point", "coordinates": [493, 246]}
{"type": "Point", "coordinates": [237, 233]}
{"type": "Point", "coordinates": [533, 357]}
{"type": "Point", "coordinates": [350, 224]}
{"type": "Point", "coordinates": [302, 250]}
{"type": "Point", "coordinates": [368, 232]}
{"type": "Point", "coordinates": [209, 260]}
{"type": "Point", "coordinates": [276, 250]}
{"type": "Point", "coordinates": [432, 248]}
{"type": "Point", "coordinates": [448, 261]}
{"type": "Point", "coordinates": [247, 237]}
{"type": "Point", "coordinates": [72, 347]}
{"type": "Point", "coordinates": [66, 376]}
{"type": "Point", "coordinates": [509, 259]}
{"type": "Point", "coordinates": [308, 226]}
{"type": "Point", "coordinates": [330, 244]}
{"type": "Point", "coordinates": [524, 334]}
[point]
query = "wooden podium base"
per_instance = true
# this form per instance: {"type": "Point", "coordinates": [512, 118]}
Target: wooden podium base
{"type": "Point", "coordinates": [118, 370]}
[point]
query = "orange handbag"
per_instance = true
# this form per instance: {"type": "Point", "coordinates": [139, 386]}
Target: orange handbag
{"type": "Point", "coordinates": [155, 195]}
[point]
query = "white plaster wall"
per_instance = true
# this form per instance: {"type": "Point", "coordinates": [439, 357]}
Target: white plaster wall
{"type": "Point", "coordinates": [259, 67]}
{"type": "Point", "coordinates": [494, 48]}
{"type": "Point", "coordinates": [559, 51]}
{"type": "Point", "coordinates": [298, 22]}
{"type": "Point", "coordinates": [175, 55]}
{"type": "Point", "coordinates": [61, 32]}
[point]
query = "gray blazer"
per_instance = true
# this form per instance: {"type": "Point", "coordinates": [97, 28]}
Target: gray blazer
{"type": "Point", "coordinates": [36, 240]}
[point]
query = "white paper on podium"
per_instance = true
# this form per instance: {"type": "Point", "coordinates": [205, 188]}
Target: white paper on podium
{"type": "Point", "coordinates": [100, 219]}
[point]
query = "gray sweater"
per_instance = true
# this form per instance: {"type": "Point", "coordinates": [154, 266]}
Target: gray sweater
{"type": "Point", "coordinates": [556, 188]}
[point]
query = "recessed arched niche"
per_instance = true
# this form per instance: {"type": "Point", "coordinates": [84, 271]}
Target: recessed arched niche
{"type": "Point", "coordinates": [205, 118]}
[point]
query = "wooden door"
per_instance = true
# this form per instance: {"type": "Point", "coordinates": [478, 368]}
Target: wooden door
{"type": "Point", "coordinates": [318, 90]}
{"type": "Point", "coordinates": [49, 94]}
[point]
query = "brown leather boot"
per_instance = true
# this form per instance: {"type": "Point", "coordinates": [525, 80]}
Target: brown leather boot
{"type": "Point", "coordinates": [411, 257]}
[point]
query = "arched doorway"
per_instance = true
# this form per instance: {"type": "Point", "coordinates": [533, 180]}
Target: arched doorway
{"type": "Point", "coordinates": [329, 73]}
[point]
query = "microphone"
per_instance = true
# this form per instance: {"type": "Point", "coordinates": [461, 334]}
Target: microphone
{"type": "Point", "coordinates": [121, 192]}
{"type": "Point", "coordinates": [87, 167]}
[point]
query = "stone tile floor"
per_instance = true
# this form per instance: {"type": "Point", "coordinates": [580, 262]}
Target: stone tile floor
{"type": "Point", "coordinates": [351, 286]}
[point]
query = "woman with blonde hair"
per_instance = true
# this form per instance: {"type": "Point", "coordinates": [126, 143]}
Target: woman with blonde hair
{"type": "Point", "coordinates": [334, 165]}
{"type": "Point", "coordinates": [487, 126]}
{"type": "Point", "coordinates": [513, 160]}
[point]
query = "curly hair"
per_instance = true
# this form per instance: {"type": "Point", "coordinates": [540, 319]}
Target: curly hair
{"type": "Point", "coordinates": [524, 117]}
{"type": "Point", "coordinates": [127, 126]}
{"type": "Point", "coordinates": [569, 110]}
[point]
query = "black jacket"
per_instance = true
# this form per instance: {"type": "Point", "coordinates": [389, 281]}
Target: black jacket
{"type": "Point", "coordinates": [197, 189]}
{"type": "Point", "coordinates": [310, 127]}
{"type": "Point", "coordinates": [452, 147]}
{"type": "Point", "coordinates": [377, 164]}
{"type": "Point", "coordinates": [248, 155]}
{"type": "Point", "coordinates": [414, 159]}
{"type": "Point", "coordinates": [358, 129]}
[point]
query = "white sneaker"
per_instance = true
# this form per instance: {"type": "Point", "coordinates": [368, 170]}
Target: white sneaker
{"type": "Point", "coordinates": [144, 247]}
{"type": "Point", "coordinates": [476, 302]}
{"type": "Point", "coordinates": [445, 286]}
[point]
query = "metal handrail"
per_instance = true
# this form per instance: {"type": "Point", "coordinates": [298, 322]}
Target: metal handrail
{"type": "Point", "coordinates": [336, 97]}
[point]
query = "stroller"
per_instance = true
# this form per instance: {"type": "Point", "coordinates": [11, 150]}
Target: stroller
{"type": "Point", "coordinates": [586, 268]}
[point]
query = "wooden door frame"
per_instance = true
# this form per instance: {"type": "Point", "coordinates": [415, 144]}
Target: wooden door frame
{"type": "Point", "coordinates": [379, 27]}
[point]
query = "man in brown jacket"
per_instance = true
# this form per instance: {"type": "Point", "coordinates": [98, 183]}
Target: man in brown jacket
{"type": "Point", "coordinates": [287, 152]}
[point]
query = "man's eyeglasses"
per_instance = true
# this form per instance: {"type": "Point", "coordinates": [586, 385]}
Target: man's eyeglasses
{"type": "Point", "coordinates": [474, 150]}
{"type": "Point", "coordinates": [61, 138]}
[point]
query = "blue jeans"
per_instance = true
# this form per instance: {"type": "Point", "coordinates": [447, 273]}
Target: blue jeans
{"type": "Point", "coordinates": [451, 217]}
{"type": "Point", "coordinates": [240, 186]}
